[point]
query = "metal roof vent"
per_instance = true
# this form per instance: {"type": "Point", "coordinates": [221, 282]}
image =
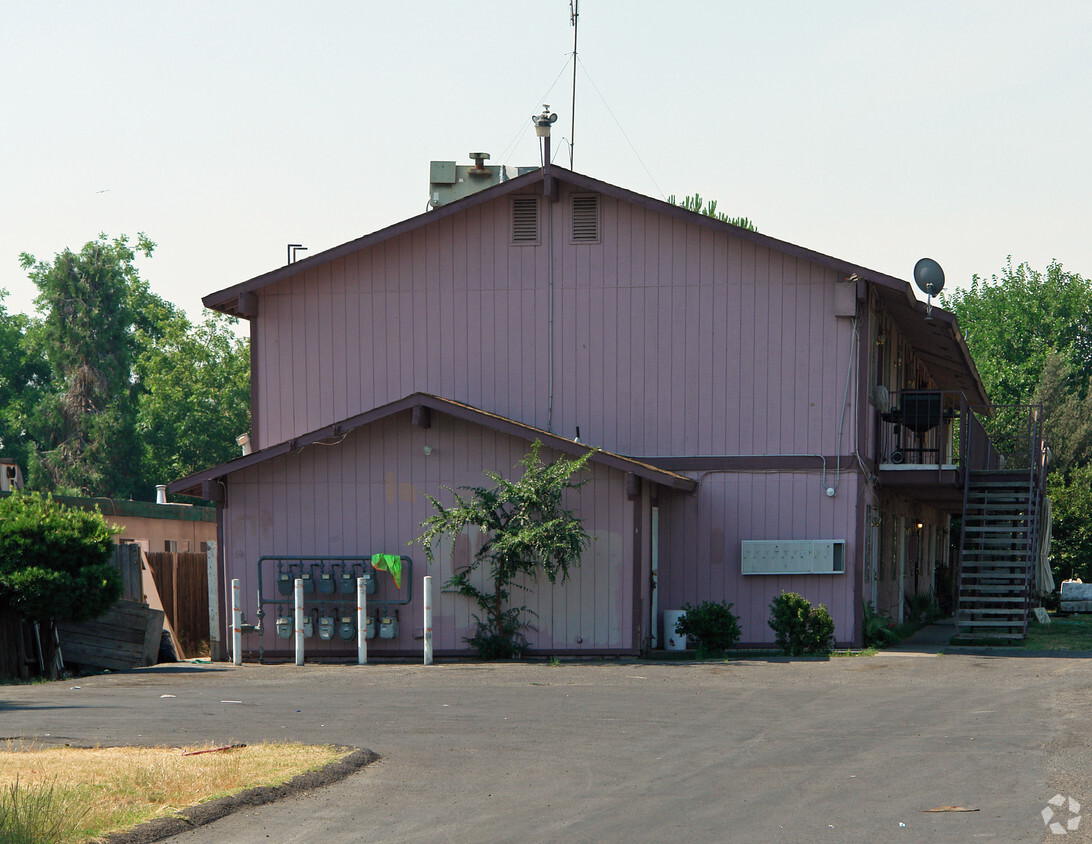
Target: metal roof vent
{"type": "Point", "coordinates": [586, 218]}
{"type": "Point", "coordinates": [525, 219]}
{"type": "Point", "coordinates": [449, 181]}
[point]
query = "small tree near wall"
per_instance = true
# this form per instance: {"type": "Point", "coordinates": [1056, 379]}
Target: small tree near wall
{"type": "Point", "coordinates": [54, 563]}
{"type": "Point", "coordinates": [527, 530]}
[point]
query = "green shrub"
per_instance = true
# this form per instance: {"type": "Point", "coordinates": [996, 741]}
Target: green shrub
{"type": "Point", "coordinates": [801, 628]}
{"type": "Point", "coordinates": [499, 636]}
{"type": "Point", "coordinates": [54, 564]}
{"type": "Point", "coordinates": [879, 628]}
{"type": "Point", "coordinates": [922, 608]}
{"type": "Point", "coordinates": [54, 560]}
{"type": "Point", "coordinates": [712, 626]}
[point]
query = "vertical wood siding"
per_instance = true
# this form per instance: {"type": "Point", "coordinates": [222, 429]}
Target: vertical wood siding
{"type": "Point", "coordinates": [701, 542]}
{"type": "Point", "coordinates": [669, 338]}
{"type": "Point", "coordinates": [366, 495]}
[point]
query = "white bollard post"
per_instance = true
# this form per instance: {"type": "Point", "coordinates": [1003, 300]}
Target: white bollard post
{"type": "Point", "coordinates": [428, 619]}
{"type": "Point", "coordinates": [361, 622]}
{"type": "Point", "coordinates": [299, 621]}
{"type": "Point", "coordinates": [236, 623]}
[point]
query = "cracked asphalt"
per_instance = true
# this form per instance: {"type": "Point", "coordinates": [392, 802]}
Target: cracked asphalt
{"type": "Point", "coordinates": [756, 750]}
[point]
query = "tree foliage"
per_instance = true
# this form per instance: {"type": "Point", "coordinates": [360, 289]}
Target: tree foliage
{"type": "Point", "coordinates": [1031, 338]}
{"type": "Point", "coordinates": [709, 209]}
{"type": "Point", "coordinates": [1071, 537]}
{"type": "Point", "coordinates": [113, 389]}
{"type": "Point", "coordinates": [83, 426]}
{"type": "Point", "coordinates": [193, 398]}
{"type": "Point", "coordinates": [23, 372]}
{"type": "Point", "coordinates": [1014, 321]}
{"type": "Point", "coordinates": [528, 531]}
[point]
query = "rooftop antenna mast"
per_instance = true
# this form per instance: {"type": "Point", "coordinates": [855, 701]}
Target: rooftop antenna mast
{"type": "Point", "coordinates": [574, 19]}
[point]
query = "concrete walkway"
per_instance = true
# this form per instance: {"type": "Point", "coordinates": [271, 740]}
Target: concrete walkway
{"type": "Point", "coordinates": [929, 641]}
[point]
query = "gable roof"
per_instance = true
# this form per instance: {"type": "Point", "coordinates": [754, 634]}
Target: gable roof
{"type": "Point", "coordinates": [938, 340]}
{"type": "Point", "coordinates": [192, 484]}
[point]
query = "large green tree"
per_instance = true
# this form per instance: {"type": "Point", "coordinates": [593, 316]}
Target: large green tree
{"type": "Point", "coordinates": [23, 374]}
{"type": "Point", "coordinates": [113, 389]}
{"type": "Point", "coordinates": [84, 426]}
{"type": "Point", "coordinates": [194, 396]}
{"type": "Point", "coordinates": [1031, 338]}
{"type": "Point", "coordinates": [1014, 321]}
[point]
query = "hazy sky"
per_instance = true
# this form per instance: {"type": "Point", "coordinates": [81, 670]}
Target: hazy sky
{"type": "Point", "coordinates": [874, 132]}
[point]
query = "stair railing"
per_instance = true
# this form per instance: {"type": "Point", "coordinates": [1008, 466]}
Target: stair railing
{"type": "Point", "coordinates": [1036, 490]}
{"type": "Point", "coordinates": [966, 436]}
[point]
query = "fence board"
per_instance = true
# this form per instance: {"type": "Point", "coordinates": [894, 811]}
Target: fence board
{"type": "Point", "coordinates": [101, 643]}
{"type": "Point", "coordinates": [126, 558]}
{"type": "Point", "coordinates": [182, 581]}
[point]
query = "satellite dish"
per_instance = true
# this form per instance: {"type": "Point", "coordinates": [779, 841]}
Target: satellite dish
{"type": "Point", "coordinates": [928, 276]}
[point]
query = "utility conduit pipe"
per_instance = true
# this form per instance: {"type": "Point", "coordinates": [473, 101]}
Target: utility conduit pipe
{"type": "Point", "coordinates": [702, 476]}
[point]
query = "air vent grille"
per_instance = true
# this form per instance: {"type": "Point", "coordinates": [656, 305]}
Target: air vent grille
{"type": "Point", "coordinates": [586, 218]}
{"type": "Point", "coordinates": [525, 219]}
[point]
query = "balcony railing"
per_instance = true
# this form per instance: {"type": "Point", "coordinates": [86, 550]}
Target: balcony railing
{"type": "Point", "coordinates": [921, 428]}
{"type": "Point", "coordinates": [939, 429]}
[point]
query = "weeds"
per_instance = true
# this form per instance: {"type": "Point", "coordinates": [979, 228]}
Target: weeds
{"type": "Point", "coordinates": [879, 628]}
{"type": "Point", "coordinates": [38, 813]}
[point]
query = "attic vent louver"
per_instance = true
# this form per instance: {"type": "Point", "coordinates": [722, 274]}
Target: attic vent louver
{"type": "Point", "coordinates": [586, 218]}
{"type": "Point", "coordinates": [525, 219]}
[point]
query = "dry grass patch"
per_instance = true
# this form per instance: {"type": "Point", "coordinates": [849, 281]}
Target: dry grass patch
{"type": "Point", "coordinates": [108, 789]}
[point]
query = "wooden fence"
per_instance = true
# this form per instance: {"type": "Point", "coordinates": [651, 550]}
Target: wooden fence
{"type": "Point", "coordinates": [183, 584]}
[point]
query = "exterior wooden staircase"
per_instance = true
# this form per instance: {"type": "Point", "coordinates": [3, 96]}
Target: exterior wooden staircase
{"type": "Point", "coordinates": [999, 545]}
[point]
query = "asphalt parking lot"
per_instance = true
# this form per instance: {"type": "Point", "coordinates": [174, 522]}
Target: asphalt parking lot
{"type": "Point", "coordinates": [847, 749]}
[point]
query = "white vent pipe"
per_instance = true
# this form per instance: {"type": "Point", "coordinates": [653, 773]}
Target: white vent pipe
{"type": "Point", "coordinates": [361, 622]}
{"type": "Point", "coordinates": [428, 619]}
{"type": "Point", "coordinates": [160, 493]}
{"type": "Point", "coordinates": [299, 620]}
{"type": "Point", "coordinates": [236, 623]}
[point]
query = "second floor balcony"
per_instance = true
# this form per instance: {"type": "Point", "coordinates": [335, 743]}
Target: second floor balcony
{"type": "Point", "coordinates": [927, 441]}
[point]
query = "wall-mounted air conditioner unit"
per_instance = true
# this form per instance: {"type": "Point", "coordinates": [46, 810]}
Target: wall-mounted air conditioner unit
{"type": "Point", "coordinates": [794, 556]}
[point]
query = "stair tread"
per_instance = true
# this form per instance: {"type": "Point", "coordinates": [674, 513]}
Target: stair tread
{"type": "Point", "coordinates": [990, 599]}
{"type": "Point", "coordinates": [1009, 615]}
{"type": "Point", "coordinates": [982, 593]}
